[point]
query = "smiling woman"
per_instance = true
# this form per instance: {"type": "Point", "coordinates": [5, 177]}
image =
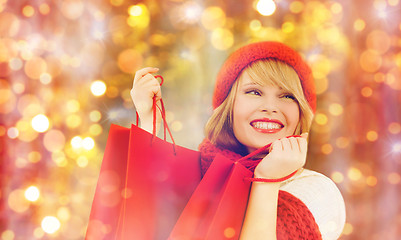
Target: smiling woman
{"type": "Point", "coordinates": [265, 94]}
{"type": "Point", "coordinates": [262, 113]}
{"type": "Point", "coordinates": [264, 99]}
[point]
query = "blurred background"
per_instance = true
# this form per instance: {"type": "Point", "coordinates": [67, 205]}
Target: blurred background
{"type": "Point", "coordinates": [66, 70]}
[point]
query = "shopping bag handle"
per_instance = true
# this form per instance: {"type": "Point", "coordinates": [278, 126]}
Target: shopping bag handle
{"type": "Point", "coordinates": [163, 115]}
{"type": "Point", "coordinates": [256, 152]}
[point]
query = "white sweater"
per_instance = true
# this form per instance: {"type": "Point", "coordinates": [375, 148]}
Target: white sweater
{"type": "Point", "coordinates": [320, 194]}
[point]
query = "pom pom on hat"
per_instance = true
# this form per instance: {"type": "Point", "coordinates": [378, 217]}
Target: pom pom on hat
{"type": "Point", "coordinates": [244, 56]}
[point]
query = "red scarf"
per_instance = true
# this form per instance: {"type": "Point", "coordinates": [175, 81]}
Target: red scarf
{"type": "Point", "coordinates": [209, 151]}
{"type": "Point", "coordinates": [294, 220]}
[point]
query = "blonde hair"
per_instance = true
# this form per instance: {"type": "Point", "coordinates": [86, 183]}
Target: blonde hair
{"type": "Point", "coordinates": [219, 128]}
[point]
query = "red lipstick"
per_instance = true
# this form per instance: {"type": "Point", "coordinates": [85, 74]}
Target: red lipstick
{"type": "Point", "coordinates": [267, 125]}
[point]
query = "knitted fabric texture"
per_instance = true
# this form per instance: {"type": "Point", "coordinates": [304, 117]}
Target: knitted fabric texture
{"type": "Point", "coordinates": [294, 220]}
{"type": "Point", "coordinates": [244, 56]}
{"type": "Point", "coordinates": [209, 151]}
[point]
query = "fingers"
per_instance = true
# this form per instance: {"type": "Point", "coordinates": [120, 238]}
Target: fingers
{"type": "Point", "coordinates": [145, 80]}
{"type": "Point", "coordinates": [144, 71]}
{"type": "Point", "coordinates": [305, 135]}
{"type": "Point", "coordinates": [291, 143]}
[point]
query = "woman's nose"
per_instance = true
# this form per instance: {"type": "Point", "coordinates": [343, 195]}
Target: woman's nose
{"type": "Point", "coordinates": [269, 105]}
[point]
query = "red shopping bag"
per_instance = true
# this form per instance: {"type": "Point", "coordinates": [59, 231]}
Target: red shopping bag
{"type": "Point", "coordinates": [151, 189]}
{"type": "Point", "coordinates": [154, 184]}
{"type": "Point", "coordinates": [217, 207]}
{"type": "Point", "coordinates": [144, 184]}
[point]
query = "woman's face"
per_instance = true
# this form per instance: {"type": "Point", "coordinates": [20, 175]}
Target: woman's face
{"type": "Point", "coordinates": [263, 113]}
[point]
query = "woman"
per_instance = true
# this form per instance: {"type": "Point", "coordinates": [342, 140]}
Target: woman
{"type": "Point", "coordinates": [264, 94]}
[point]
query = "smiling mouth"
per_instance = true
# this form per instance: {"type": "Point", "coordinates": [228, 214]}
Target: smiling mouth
{"type": "Point", "coordinates": [267, 125]}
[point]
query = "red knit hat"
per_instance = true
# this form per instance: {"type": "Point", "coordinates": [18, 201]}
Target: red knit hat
{"type": "Point", "coordinates": [244, 56]}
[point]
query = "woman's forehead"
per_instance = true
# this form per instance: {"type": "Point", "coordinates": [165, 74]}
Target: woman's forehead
{"type": "Point", "coordinates": [246, 80]}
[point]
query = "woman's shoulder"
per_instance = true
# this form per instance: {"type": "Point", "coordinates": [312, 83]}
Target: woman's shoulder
{"type": "Point", "coordinates": [313, 187]}
{"type": "Point", "coordinates": [310, 179]}
{"type": "Point", "coordinates": [322, 197]}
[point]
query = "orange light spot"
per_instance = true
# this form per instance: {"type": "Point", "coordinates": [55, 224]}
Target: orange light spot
{"type": "Point", "coordinates": [366, 92]}
{"type": "Point", "coordinates": [28, 11]}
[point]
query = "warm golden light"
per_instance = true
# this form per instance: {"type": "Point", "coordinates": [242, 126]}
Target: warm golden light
{"type": "Point", "coordinates": [371, 136]}
{"type": "Point", "coordinates": [44, 9]}
{"type": "Point", "coordinates": [266, 7]}
{"type": "Point", "coordinates": [354, 174]}
{"type": "Point", "coordinates": [7, 235]}
{"type": "Point", "coordinates": [321, 119]}
{"type": "Point", "coordinates": [337, 177]}
{"type": "Point", "coordinates": [213, 17]}
{"type": "Point", "coordinates": [32, 193]}
{"type": "Point", "coordinates": [336, 109]}
{"type": "Point", "coordinates": [17, 202]}
{"type": "Point", "coordinates": [342, 142]}
{"type": "Point", "coordinates": [327, 149]}
{"type": "Point", "coordinates": [348, 229]}
{"type": "Point", "coordinates": [222, 38]}
{"type": "Point", "coordinates": [28, 11]}
{"type": "Point", "coordinates": [370, 61]}
{"type": "Point", "coordinates": [88, 143]}
{"type": "Point", "coordinates": [73, 121]}
{"type": "Point", "coordinates": [50, 224]}
{"type": "Point", "coordinates": [138, 16]}
{"type": "Point", "coordinates": [98, 88]}
{"type": "Point", "coordinates": [12, 132]}
{"type": "Point", "coordinates": [54, 140]}
{"type": "Point", "coordinates": [135, 10]}
{"type": "Point", "coordinates": [95, 129]}
{"type": "Point", "coordinates": [40, 123]}
{"type": "Point", "coordinates": [359, 25]}
{"type": "Point", "coordinates": [371, 181]}
{"type": "Point", "coordinates": [67, 68]}
{"type": "Point", "coordinates": [45, 78]}
{"type": "Point", "coordinates": [229, 232]}
{"type": "Point", "coordinates": [63, 214]}
{"type": "Point", "coordinates": [82, 161]}
{"type": "Point", "coordinates": [95, 116]}
{"type": "Point", "coordinates": [394, 178]}
{"type": "Point", "coordinates": [76, 142]}
{"type": "Point", "coordinates": [296, 6]}
{"type": "Point", "coordinates": [394, 127]}
{"type": "Point", "coordinates": [288, 27]}
{"type": "Point", "coordinates": [366, 91]}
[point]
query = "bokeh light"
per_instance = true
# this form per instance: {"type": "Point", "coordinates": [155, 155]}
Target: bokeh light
{"type": "Point", "coordinates": [88, 143]}
{"type": "Point", "coordinates": [50, 224]}
{"type": "Point", "coordinates": [266, 7]}
{"type": "Point", "coordinates": [98, 88]}
{"type": "Point", "coordinates": [32, 193]}
{"type": "Point", "coordinates": [76, 142]}
{"type": "Point", "coordinates": [40, 123]}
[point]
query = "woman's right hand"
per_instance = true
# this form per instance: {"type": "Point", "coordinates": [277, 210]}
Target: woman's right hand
{"type": "Point", "coordinates": [145, 87]}
{"type": "Point", "coordinates": [286, 156]}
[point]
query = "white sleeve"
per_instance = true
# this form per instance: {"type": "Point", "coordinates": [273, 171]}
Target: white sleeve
{"type": "Point", "coordinates": [323, 200]}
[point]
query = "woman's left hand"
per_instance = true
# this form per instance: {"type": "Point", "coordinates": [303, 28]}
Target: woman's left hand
{"type": "Point", "coordinates": [286, 156]}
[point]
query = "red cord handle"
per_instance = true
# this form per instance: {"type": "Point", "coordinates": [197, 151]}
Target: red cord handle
{"type": "Point", "coordinates": [163, 115]}
{"type": "Point", "coordinates": [266, 179]}
{"type": "Point", "coordinates": [261, 150]}
{"type": "Point", "coordinates": [271, 180]}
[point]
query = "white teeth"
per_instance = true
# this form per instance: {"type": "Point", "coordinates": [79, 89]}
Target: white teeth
{"type": "Point", "coordinates": [266, 125]}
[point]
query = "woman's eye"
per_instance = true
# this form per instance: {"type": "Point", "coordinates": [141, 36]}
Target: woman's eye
{"type": "Point", "coordinates": [253, 92]}
{"type": "Point", "coordinates": [289, 96]}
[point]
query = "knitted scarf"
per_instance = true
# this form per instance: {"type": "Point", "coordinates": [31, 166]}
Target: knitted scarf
{"type": "Point", "coordinates": [294, 220]}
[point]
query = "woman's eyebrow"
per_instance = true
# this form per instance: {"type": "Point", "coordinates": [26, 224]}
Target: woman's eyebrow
{"type": "Point", "coordinates": [250, 84]}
